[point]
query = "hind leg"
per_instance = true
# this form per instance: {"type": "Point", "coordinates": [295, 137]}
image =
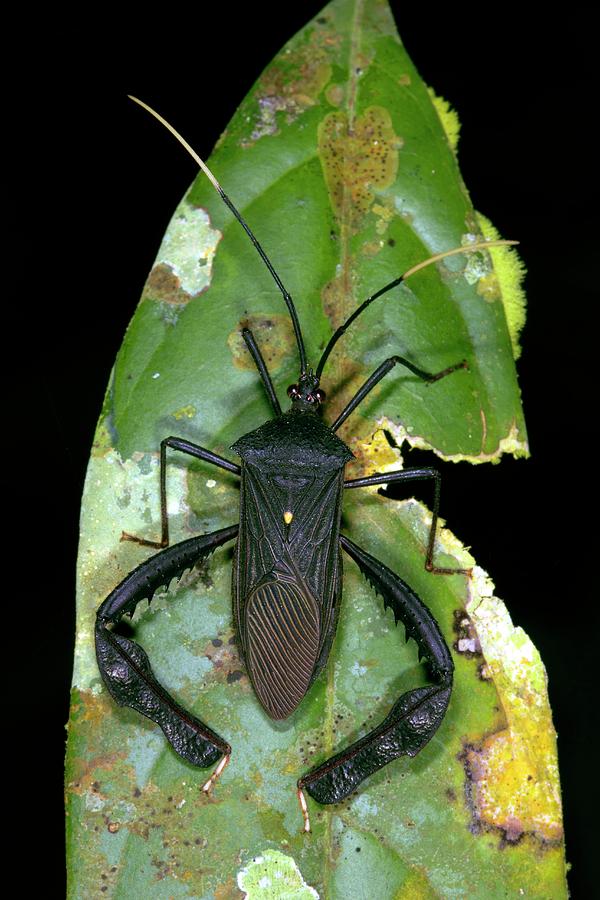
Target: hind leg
{"type": "Point", "coordinates": [125, 667]}
{"type": "Point", "coordinates": [416, 715]}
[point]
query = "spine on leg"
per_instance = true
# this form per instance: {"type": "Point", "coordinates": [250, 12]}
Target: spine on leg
{"type": "Point", "coordinates": [158, 572]}
{"type": "Point", "coordinates": [125, 667]}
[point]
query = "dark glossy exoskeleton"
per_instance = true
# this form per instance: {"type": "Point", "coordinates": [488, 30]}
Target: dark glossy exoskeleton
{"type": "Point", "coordinates": [287, 569]}
{"type": "Point", "coordinates": [287, 580]}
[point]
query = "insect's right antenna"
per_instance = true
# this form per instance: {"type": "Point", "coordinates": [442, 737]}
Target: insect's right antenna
{"type": "Point", "coordinates": [286, 296]}
{"type": "Point", "coordinates": [466, 248]}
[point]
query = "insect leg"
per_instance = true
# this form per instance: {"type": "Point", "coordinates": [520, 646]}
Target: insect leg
{"type": "Point", "coordinates": [415, 717]}
{"type": "Point", "coordinates": [193, 450]}
{"type": "Point", "coordinates": [415, 475]}
{"type": "Point", "coordinates": [125, 667]}
{"type": "Point", "coordinates": [262, 369]}
{"type": "Point", "coordinates": [381, 372]}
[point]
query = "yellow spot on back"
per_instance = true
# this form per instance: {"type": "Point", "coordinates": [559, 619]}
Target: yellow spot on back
{"type": "Point", "coordinates": [287, 517]}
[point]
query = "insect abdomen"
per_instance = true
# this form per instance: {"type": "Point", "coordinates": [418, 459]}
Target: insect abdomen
{"type": "Point", "coordinates": [283, 628]}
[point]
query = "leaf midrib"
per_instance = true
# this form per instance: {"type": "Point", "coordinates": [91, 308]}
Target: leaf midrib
{"type": "Point", "coordinates": [344, 257]}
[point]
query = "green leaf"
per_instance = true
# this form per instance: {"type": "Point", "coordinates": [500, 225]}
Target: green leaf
{"type": "Point", "coordinates": [343, 165]}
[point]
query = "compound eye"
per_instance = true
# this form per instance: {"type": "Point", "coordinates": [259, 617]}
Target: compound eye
{"type": "Point", "coordinates": [293, 391]}
{"type": "Point", "coordinates": [319, 395]}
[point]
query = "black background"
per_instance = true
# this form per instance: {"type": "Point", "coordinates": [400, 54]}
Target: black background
{"type": "Point", "coordinates": [100, 183]}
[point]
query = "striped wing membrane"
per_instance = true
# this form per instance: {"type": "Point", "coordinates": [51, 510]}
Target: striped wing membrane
{"type": "Point", "coordinates": [283, 643]}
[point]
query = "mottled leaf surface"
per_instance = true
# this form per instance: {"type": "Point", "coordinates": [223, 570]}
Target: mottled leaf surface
{"type": "Point", "coordinates": [339, 160]}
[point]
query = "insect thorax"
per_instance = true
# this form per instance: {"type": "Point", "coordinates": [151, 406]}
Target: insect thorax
{"type": "Point", "coordinates": [296, 439]}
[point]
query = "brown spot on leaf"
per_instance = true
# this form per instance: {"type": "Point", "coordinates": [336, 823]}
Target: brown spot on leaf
{"type": "Point", "coordinates": [87, 769]}
{"type": "Point", "coordinates": [293, 82]}
{"type": "Point", "coordinates": [163, 285]}
{"type": "Point", "coordinates": [226, 663]}
{"type": "Point", "coordinates": [335, 94]}
{"type": "Point", "coordinates": [467, 641]}
{"type": "Point", "coordinates": [274, 335]}
{"type": "Point", "coordinates": [483, 672]}
{"type": "Point", "coordinates": [357, 160]}
{"type": "Point", "coordinates": [334, 296]}
{"type": "Point", "coordinates": [227, 890]}
{"type": "Point", "coordinates": [371, 248]}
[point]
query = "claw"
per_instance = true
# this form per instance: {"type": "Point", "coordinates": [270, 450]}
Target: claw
{"type": "Point", "coordinates": [158, 545]}
{"type": "Point", "coordinates": [207, 787]}
{"type": "Point", "coordinates": [304, 809]}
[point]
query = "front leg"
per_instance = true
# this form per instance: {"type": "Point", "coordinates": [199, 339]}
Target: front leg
{"type": "Point", "coordinates": [381, 371]}
{"type": "Point", "coordinates": [414, 718]}
{"type": "Point", "coordinates": [125, 667]}
{"type": "Point", "coordinates": [192, 450]}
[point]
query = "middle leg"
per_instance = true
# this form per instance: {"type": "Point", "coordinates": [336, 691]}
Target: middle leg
{"type": "Point", "coordinates": [424, 474]}
{"type": "Point", "coordinates": [192, 450]}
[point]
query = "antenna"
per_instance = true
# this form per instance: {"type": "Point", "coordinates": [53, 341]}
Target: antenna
{"type": "Point", "coordinates": [468, 248]}
{"type": "Point", "coordinates": [286, 296]}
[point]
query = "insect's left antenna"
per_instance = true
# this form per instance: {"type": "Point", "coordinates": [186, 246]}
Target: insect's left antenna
{"type": "Point", "coordinates": [286, 296]}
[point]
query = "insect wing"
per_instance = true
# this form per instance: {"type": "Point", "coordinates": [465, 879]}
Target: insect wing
{"type": "Point", "coordinates": [283, 626]}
